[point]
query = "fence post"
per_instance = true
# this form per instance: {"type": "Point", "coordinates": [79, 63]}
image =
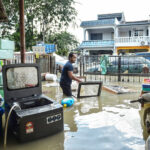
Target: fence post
{"type": "Point", "coordinates": [80, 65]}
{"type": "Point", "coordinates": [52, 64]}
{"type": "Point", "coordinates": [83, 64]}
{"type": "Point", "coordinates": [119, 68]}
{"type": "Point", "coordinates": [51, 69]}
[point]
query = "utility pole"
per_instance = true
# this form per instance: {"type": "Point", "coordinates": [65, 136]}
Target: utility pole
{"type": "Point", "coordinates": [43, 33]}
{"type": "Point", "coordinates": [22, 30]}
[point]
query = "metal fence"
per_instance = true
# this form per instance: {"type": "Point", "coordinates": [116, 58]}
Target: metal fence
{"type": "Point", "coordinates": [46, 62]}
{"type": "Point", "coordinates": [29, 58]}
{"type": "Point", "coordinates": [115, 68]}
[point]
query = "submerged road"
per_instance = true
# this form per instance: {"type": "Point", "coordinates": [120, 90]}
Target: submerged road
{"type": "Point", "coordinates": [108, 122]}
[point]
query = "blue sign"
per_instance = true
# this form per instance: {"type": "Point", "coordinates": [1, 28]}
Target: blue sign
{"type": "Point", "coordinates": [50, 48]}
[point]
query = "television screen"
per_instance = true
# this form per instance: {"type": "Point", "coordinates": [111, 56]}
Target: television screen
{"type": "Point", "coordinates": [89, 89]}
{"type": "Point", "coordinates": [22, 77]}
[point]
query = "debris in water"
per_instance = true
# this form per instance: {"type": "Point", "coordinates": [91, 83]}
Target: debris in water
{"type": "Point", "coordinates": [117, 89]}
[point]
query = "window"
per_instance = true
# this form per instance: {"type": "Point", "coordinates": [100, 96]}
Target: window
{"type": "Point", "coordinates": [138, 33]}
{"type": "Point", "coordinates": [96, 36]}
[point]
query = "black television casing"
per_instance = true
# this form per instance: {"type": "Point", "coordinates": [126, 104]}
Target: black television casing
{"type": "Point", "coordinates": [39, 115]}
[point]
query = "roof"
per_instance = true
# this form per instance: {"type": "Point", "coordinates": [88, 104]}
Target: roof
{"type": "Point", "coordinates": [143, 22]}
{"type": "Point", "coordinates": [97, 43]}
{"type": "Point", "coordinates": [111, 16]}
{"type": "Point", "coordinates": [3, 16]}
{"type": "Point", "coordinates": [97, 22]}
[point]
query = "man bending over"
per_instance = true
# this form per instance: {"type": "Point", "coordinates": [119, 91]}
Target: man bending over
{"type": "Point", "coordinates": [67, 75]}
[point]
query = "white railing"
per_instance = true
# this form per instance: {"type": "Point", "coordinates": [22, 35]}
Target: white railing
{"type": "Point", "coordinates": [135, 39]}
{"type": "Point", "coordinates": [29, 58]}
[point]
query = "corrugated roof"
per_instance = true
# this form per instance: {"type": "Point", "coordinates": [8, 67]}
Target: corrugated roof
{"type": "Point", "coordinates": [3, 16]}
{"type": "Point", "coordinates": [110, 16]}
{"type": "Point", "coordinates": [97, 43]}
{"type": "Point", "coordinates": [143, 22]}
{"type": "Point", "coordinates": [97, 22]}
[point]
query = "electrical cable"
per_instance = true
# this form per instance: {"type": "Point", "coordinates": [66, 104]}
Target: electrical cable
{"type": "Point", "coordinates": [6, 125]}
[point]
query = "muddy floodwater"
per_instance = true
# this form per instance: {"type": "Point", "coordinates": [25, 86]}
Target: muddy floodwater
{"type": "Point", "coordinates": [108, 122]}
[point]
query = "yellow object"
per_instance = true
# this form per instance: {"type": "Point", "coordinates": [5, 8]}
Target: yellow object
{"type": "Point", "coordinates": [1, 63]}
{"type": "Point", "coordinates": [65, 105]}
{"type": "Point", "coordinates": [143, 111]}
{"type": "Point", "coordinates": [132, 49]}
{"type": "Point", "coordinates": [37, 55]}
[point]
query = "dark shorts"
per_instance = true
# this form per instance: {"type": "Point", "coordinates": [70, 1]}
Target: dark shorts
{"type": "Point", "coordinates": [66, 89]}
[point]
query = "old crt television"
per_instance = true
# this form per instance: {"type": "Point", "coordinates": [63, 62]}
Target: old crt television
{"type": "Point", "coordinates": [36, 115]}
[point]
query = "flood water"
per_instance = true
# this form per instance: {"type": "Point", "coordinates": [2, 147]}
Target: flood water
{"type": "Point", "coordinates": [108, 122]}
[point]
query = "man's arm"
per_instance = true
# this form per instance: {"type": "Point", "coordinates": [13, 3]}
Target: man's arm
{"type": "Point", "coordinates": [71, 76]}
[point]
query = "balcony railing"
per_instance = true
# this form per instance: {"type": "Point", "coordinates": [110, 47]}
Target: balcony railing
{"type": "Point", "coordinates": [97, 43]}
{"type": "Point", "coordinates": [137, 41]}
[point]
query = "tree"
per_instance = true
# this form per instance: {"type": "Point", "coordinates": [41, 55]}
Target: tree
{"type": "Point", "coordinates": [64, 41]}
{"type": "Point", "coordinates": [42, 17]}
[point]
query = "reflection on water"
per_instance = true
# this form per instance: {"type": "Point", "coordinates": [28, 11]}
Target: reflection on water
{"type": "Point", "coordinates": [108, 122]}
{"type": "Point", "coordinates": [89, 105]}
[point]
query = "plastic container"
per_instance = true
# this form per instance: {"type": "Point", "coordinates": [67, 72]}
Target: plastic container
{"type": "Point", "coordinates": [7, 44]}
{"type": "Point", "coordinates": [67, 102]}
{"type": "Point", "coordinates": [1, 113]}
{"type": "Point", "coordinates": [50, 77]}
{"type": "Point", "coordinates": [6, 54]}
{"type": "Point", "coordinates": [1, 91]}
{"type": "Point", "coordinates": [146, 87]}
{"type": "Point", "coordinates": [1, 79]}
{"type": "Point", "coordinates": [147, 81]}
{"type": "Point", "coordinates": [1, 102]}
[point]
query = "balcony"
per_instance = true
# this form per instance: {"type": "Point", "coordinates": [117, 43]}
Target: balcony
{"type": "Point", "coordinates": [132, 41]}
{"type": "Point", "coordinates": [97, 44]}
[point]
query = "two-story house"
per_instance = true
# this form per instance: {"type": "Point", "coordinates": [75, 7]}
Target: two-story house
{"type": "Point", "coordinates": [111, 34]}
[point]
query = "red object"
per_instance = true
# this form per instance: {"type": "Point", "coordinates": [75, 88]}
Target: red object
{"type": "Point", "coordinates": [29, 127]}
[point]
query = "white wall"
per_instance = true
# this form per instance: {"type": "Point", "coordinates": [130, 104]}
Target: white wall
{"type": "Point", "coordinates": [107, 36]}
{"type": "Point", "coordinates": [124, 34]}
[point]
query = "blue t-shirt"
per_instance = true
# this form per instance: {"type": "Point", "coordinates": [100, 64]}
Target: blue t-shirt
{"type": "Point", "coordinates": [64, 75]}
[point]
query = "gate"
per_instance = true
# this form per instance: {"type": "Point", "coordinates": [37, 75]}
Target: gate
{"type": "Point", "coordinates": [125, 68]}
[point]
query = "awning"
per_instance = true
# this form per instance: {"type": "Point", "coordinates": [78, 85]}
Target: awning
{"type": "Point", "coordinates": [3, 16]}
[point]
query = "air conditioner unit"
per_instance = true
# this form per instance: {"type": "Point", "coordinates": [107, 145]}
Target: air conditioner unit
{"type": "Point", "coordinates": [143, 43]}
